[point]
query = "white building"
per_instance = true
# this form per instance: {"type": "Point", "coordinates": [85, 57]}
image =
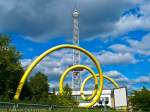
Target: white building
{"type": "Point", "coordinates": [106, 96]}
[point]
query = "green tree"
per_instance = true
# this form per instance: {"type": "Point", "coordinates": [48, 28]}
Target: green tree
{"type": "Point", "coordinates": [67, 92]}
{"type": "Point", "coordinates": [140, 100]}
{"type": "Point", "coordinates": [10, 68]}
{"type": "Point", "coordinates": [39, 87]}
{"type": "Point", "coordinates": [67, 98]}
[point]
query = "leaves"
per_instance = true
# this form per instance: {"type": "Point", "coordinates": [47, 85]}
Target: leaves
{"type": "Point", "coordinates": [140, 100]}
{"type": "Point", "coordinates": [39, 86]}
{"type": "Point", "coordinates": [10, 68]}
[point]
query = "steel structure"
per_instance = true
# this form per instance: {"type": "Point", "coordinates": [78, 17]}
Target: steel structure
{"type": "Point", "coordinates": [97, 90]}
{"type": "Point", "coordinates": [72, 68]}
{"type": "Point", "coordinates": [76, 78]}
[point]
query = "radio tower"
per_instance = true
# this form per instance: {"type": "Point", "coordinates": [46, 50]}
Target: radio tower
{"type": "Point", "coordinates": [76, 78]}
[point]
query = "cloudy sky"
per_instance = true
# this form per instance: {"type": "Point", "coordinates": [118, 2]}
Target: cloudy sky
{"type": "Point", "coordinates": [117, 32]}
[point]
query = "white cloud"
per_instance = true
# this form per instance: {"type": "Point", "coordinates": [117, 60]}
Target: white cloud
{"type": "Point", "coordinates": [121, 48]}
{"type": "Point", "coordinates": [25, 62]}
{"type": "Point", "coordinates": [113, 58]}
{"type": "Point", "coordinates": [130, 22]}
{"type": "Point", "coordinates": [145, 9]}
{"type": "Point", "coordinates": [142, 46]}
{"type": "Point", "coordinates": [97, 16]}
{"type": "Point", "coordinates": [117, 76]}
{"type": "Point", "coordinates": [124, 81]}
{"type": "Point", "coordinates": [142, 79]}
{"type": "Point", "coordinates": [53, 64]}
{"type": "Point", "coordinates": [102, 20]}
{"type": "Point", "coordinates": [135, 47]}
{"type": "Point", "coordinates": [120, 78]}
{"type": "Point", "coordinates": [114, 74]}
{"type": "Point", "coordinates": [108, 57]}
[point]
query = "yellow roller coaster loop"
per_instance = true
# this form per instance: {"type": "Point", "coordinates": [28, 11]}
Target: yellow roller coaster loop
{"type": "Point", "coordinates": [37, 60]}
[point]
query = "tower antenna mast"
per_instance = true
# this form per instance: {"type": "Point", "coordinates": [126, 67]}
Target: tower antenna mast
{"type": "Point", "coordinates": [76, 78]}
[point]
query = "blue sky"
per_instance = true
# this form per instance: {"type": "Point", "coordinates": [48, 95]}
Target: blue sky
{"type": "Point", "coordinates": [117, 32]}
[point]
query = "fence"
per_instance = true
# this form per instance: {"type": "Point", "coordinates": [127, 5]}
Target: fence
{"type": "Point", "coordinates": [22, 107]}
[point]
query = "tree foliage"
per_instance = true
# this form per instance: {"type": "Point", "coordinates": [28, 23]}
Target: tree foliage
{"type": "Point", "coordinates": [10, 68]}
{"type": "Point", "coordinates": [67, 95]}
{"type": "Point", "coordinates": [66, 99]}
{"type": "Point", "coordinates": [39, 87]}
{"type": "Point", "coordinates": [140, 100]}
{"type": "Point", "coordinates": [67, 92]}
